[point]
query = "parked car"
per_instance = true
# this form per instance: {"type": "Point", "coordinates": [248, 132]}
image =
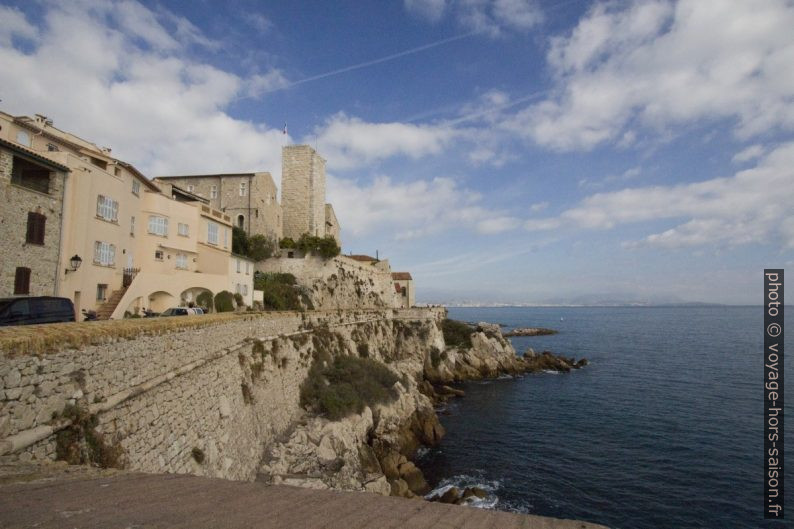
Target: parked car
{"type": "Point", "coordinates": [39, 309]}
{"type": "Point", "coordinates": [181, 311]}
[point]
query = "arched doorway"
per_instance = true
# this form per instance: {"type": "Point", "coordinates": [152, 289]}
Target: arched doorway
{"type": "Point", "coordinates": [241, 221]}
{"type": "Point", "coordinates": [161, 300]}
{"type": "Point", "coordinates": [197, 297]}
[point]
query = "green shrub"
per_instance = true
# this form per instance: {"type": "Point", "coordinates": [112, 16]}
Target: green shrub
{"type": "Point", "coordinates": [287, 243]}
{"type": "Point", "coordinates": [279, 291]}
{"type": "Point", "coordinates": [238, 299]}
{"type": "Point", "coordinates": [260, 247]}
{"type": "Point", "coordinates": [224, 301]}
{"type": "Point", "coordinates": [239, 241]}
{"type": "Point", "coordinates": [456, 333]}
{"type": "Point", "coordinates": [204, 300]}
{"type": "Point", "coordinates": [363, 350]}
{"type": "Point", "coordinates": [347, 385]}
{"type": "Point", "coordinates": [325, 247]}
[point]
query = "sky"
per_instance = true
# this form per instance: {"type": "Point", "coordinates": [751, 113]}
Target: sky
{"type": "Point", "coordinates": [512, 151]}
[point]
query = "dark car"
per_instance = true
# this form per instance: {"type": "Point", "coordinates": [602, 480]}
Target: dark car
{"type": "Point", "coordinates": [30, 310]}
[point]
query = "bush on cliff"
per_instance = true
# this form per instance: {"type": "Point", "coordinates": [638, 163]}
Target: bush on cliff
{"type": "Point", "coordinates": [325, 247]}
{"type": "Point", "coordinates": [346, 385]}
{"type": "Point", "coordinates": [279, 291]}
{"type": "Point", "coordinates": [224, 301]}
{"type": "Point", "coordinates": [456, 333]}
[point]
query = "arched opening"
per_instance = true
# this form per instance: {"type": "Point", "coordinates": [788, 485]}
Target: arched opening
{"type": "Point", "coordinates": [197, 297]}
{"type": "Point", "coordinates": [135, 308]}
{"type": "Point", "coordinates": [161, 300]}
{"type": "Point", "coordinates": [241, 221]}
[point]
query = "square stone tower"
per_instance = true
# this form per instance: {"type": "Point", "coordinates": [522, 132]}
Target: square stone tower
{"type": "Point", "coordinates": [302, 191]}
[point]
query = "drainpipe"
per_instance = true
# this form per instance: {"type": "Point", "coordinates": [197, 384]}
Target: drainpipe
{"type": "Point", "coordinates": [61, 235]}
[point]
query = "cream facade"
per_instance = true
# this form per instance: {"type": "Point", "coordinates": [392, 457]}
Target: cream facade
{"type": "Point", "coordinates": [139, 248]}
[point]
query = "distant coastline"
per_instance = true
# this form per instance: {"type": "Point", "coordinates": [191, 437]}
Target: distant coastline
{"type": "Point", "coordinates": [483, 305]}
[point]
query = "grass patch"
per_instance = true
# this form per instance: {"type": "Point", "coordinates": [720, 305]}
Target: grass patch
{"type": "Point", "coordinates": [81, 444]}
{"type": "Point", "coordinates": [346, 385]}
{"type": "Point", "coordinates": [456, 333]}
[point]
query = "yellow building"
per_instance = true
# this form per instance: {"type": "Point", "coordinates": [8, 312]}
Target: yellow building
{"type": "Point", "coordinates": [136, 248]}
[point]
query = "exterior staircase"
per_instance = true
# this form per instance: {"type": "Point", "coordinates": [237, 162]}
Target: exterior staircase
{"type": "Point", "coordinates": [107, 308]}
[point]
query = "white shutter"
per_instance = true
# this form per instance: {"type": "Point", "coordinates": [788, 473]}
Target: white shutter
{"type": "Point", "coordinates": [111, 255]}
{"type": "Point", "coordinates": [97, 252]}
{"type": "Point", "coordinates": [115, 210]}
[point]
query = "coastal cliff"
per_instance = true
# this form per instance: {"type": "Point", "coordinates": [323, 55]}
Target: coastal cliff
{"type": "Point", "coordinates": [372, 450]}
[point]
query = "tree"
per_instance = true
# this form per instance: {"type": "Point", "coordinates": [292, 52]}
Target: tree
{"type": "Point", "coordinates": [325, 247]}
{"type": "Point", "coordinates": [224, 301]}
{"type": "Point", "coordinates": [239, 241]}
{"type": "Point", "coordinates": [260, 247]}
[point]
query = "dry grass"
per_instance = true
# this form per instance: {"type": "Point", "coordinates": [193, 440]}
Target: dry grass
{"type": "Point", "coordinates": [53, 337]}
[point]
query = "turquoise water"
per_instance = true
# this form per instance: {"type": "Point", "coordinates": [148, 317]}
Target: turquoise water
{"type": "Point", "coordinates": [662, 430]}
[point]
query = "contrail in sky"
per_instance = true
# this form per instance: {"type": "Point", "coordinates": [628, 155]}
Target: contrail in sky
{"type": "Point", "coordinates": [373, 61]}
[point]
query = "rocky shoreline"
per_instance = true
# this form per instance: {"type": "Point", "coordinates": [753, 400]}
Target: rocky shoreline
{"type": "Point", "coordinates": [373, 450]}
{"type": "Point", "coordinates": [529, 331]}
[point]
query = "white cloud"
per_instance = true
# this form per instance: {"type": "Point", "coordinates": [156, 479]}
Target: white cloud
{"type": "Point", "coordinates": [15, 25]}
{"type": "Point", "coordinates": [348, 142]}
{"type": "Point", "coordinates": [750, 153]}
{"type": "Point", "coordinates": [411, 209]}
{"type": "Point", "coordinates": [121, 75]}
{"type": "Point", "coordinates": [429, 9]}
{"type": "Point", "coordinates": [752, 206]}
{"type": "Point", "coordinates": [656, 64]}
{"type": "Point", "coordinates": [491, 17]}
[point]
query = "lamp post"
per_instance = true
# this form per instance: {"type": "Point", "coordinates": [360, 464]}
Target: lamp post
{"type": "Point", "coordinates": [75, 263]}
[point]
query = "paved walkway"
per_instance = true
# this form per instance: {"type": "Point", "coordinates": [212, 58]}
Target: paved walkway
{"type": "Point", "coordinates": [127, 501]}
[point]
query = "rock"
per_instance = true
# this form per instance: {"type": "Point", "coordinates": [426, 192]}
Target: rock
{"type": "Point", "coordinates": [369, 462]}
{"type": "Point", "coordinates": [414, 478]}
{"type": "Point", "coordinates": [389, 465]}
{"type": "Point", "coordinates": [474, 492]}
{"type": "Point", "coordinates": [452, 495]}
{"type": "Point", "coordinates": [529, 331]}
{"type": "Point", "coordinates": [326, 453]}
{"type": "Point", "coordinates": [378, 486]}
{"type": "Point", "coordinates": [399, 488]}
{"type": "Point", "coordinates": [224, 407]}
{"type": "Point", "coordinates": [452, 391]}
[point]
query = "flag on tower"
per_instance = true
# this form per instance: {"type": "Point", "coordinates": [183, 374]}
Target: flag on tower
{"type": "Point", "coordinates": [285, 127]}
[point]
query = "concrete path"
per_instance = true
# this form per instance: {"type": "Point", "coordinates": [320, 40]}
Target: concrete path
{"type": "Point", "coordinates": [127, 501]}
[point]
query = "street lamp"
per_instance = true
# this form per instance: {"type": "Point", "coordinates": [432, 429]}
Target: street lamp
{"type": "Point", "coordinates": [75, 263]}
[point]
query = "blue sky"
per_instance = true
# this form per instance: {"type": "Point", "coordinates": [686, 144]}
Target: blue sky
{"type": "Point", "coordinates": [500, 150]}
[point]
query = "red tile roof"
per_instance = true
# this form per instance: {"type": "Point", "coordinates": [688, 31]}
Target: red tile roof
{"type": "Point", "coordinates": [402, 276]}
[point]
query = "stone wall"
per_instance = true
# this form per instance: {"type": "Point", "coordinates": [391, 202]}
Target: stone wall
{"type": "Point", "coordinates": [212, 389]}
{"type": "Point", "coordinates": [15, 203]}
{"type": "Point", "coordinates": [302, 191]}
{"type": "Point", "coordinates": [338, 283]}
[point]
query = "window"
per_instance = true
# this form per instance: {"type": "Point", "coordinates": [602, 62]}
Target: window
{"type": "Point", "coordinates": [22, 281]}
{"type": "Point", "coordinates": [51, 147]}
{"type": "Point", "coordinates": [181, 261]}
{"type": "Point", "coordinates": [136, 187]}
{"type": "Point", "coordinates": [247, 268]}
{"type": "Point", "coordinates": [212, 233]}
{"type": "Point", "coordinates": [132, 226]}
{"type": "Point", "coordinates": [158, 254]}
{"type": "Point", "coordinates": [238, 266]}
{"type": "Point", "coordinates": [243, 189]}
{"type": "Point", "coordinates": [214, 192]}
{"type": "Point", "coordinates": [23, 138]}
{"type": "Point", "coordinates": [183, 229]}
{"type": "Point", "coordinates": [35, 233]}
{"type": "Point", "coordinates": [117, 171]}
{"type": "Point", "coordinates": [102, 164]}
{"type": "Point", "coordinates": [104, 253]}
{"type": "Point", "coordinates": [158, 225]}
{"type": "Point", "coordinates": [190, 188]}
{"type": "Point", "coordinates": [30, 175]}
{"type": "Point", "coordinates": [245, 290]}
{"type": "Point", "coordinates": [240, 221]}
{"type": "Point", "coordinates": [225, 238]}
{"type": "Point", "coordinates": [107, 208]}
{"type": "Point", "coordinates": [101, 292]}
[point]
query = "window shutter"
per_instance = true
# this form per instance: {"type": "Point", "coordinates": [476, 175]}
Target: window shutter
{"type": "Point", "coordinates": [112, 256]}
{"type": "Point", "coordinates": [115, 210]}
{"type": "Point", "coordinates": [30, 235]}
{"type": "Point", "coordinates": [97, 252]}
{"type": "Point", "coordinates": [99, 201]}
{"type": "Point", "coordinates": [22, 281]}
{"type": "Point", "coordinates": [40, 222]}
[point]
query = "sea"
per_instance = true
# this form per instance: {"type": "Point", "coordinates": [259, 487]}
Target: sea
{"type": "Point", "coordinates": [663, 429]}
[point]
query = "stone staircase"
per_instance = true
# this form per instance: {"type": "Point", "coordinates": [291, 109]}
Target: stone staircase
{"type": "Point", "coordinates": [106, 309]}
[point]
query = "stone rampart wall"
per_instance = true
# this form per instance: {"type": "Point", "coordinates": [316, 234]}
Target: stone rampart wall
{"type": "Point", "coordinates": [212, 389]}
